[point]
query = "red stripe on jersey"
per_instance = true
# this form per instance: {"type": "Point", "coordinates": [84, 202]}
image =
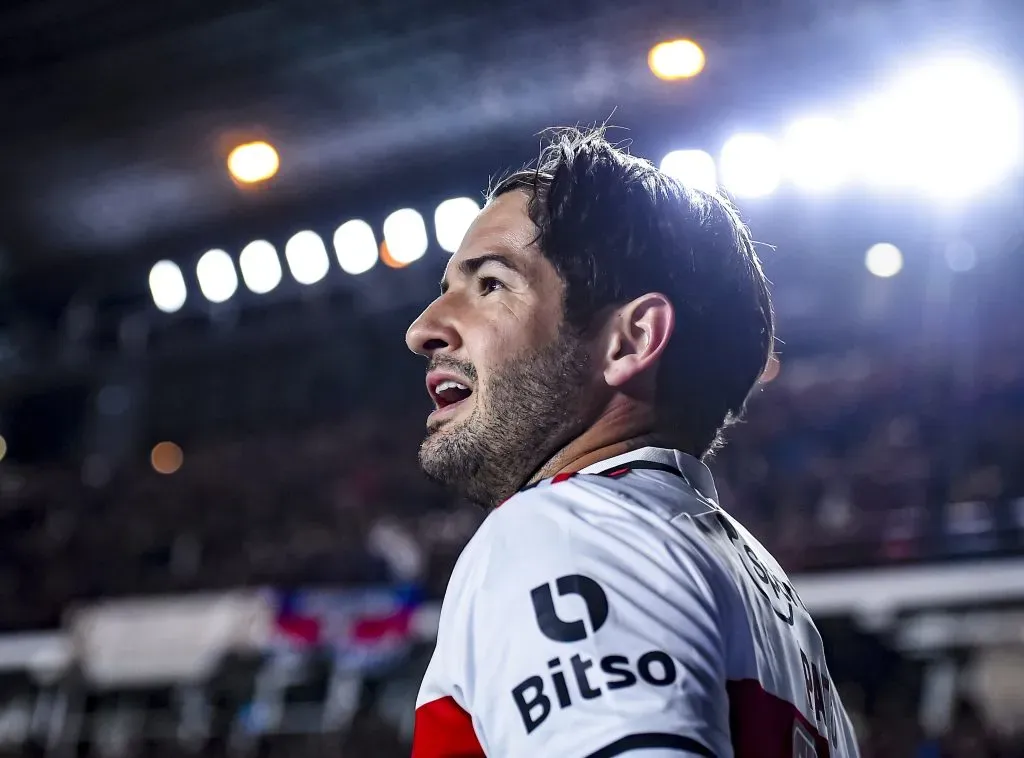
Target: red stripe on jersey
{"type": "Point", "coordinates": [563, 477]}
{"type": "Point", "coordinates": [766, 726]}
{"type": "Point", "coordinates": [444, 730]}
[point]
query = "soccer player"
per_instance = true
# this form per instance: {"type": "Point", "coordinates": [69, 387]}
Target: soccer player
{"type": "Point", "coordinates": [597, 329]}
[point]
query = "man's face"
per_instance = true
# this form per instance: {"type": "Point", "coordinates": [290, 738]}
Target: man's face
{"type": "Point", "coordinates": [507, 379]}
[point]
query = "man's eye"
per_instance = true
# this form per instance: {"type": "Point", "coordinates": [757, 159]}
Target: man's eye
{"type": "Point", "coordinates": [490, 284]}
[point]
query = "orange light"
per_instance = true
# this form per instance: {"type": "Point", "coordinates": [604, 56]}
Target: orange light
{"type": "Point", "coordinates": [677, 59]}
{"type": "Point", "coordinates": [771, 370]}
{"type": "Point", "coordinates": [387, 258]}
{"type": "Point", "coordinates": [253, 162]}
{"type": "Point", "coordinates": [166, 457]}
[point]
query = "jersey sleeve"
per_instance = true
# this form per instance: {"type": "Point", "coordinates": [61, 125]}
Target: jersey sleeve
{"type": "Point", "coordinates": [592, 638]}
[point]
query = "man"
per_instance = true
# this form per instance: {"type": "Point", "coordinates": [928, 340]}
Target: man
{"type": "Point", "coordinates": [597, 329]}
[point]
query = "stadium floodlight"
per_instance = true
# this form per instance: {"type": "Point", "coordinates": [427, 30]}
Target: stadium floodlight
{"type": "Point", "coordinates": [884, 260]}
{"type": "Point", "coordinates": [167, 286]}
{"type": "Point", "coordinates": [307, 257]}
{"type": "Point", "coordinates": [355, 247]}
{"type": "Point", "coordinates": [751, 165]}
{"type": "Point", "coordinates": [816, 153]}
{"type": "Point", "coordinates": [217, 278]}
{"type": "Point", "coordinates": [405, 235]}
{"type": "Point", "coordinates": [693, 168]}
{"type": "Point", "coordinates": [451, 221]}
{"type": "Point", "coordinates": [676, 59]}
{"type": "Point", "coordinates": [261, 268]}
{"type": "Point", "coordinates": [253, 162]}
{"type": "Point", "coordinates": [951, 127]}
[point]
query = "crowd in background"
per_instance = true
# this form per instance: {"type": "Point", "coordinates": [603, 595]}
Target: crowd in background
{"type": "Point", "coordinates": [843, 460]}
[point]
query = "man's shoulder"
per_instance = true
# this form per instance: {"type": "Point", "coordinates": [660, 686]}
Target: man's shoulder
{"type": "Point", "coordinates": [599, 523]}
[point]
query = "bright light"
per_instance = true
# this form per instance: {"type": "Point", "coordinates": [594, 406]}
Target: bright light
{"type": "Point", "coordinates": [217, 278]}
{"type": "Point", "coordinates": [884, 260]}
{"type": "Point", "coordinates": [693, 168]}
{"type": "Point", "coordinates": [451, 220]}
{"type": "Point", "coordinates": [406, 236]}
{"type": "Point", "coordinates": [355, 246]}
{"type": "Point", "coordinates": [952, 127]}
{"type": "Point", "coordinates": [261, 268]}
{"type": "Point", "coordinates": [253, 162]}
{"type": "Point", "coordinates": [678, 59]}
{"type": "Point", "coordinates": [751, 165]}
{"type": "Point", "coordinates": [167, 286]}
{"type": "Point", "coordinates": [307, 257]}
{"type": "Point", "coordinates": [816, 153]}
{"type": "Point", "coordinates": [166, 457]}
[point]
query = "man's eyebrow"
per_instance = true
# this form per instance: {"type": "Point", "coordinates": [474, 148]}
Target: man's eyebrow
{"type": "Point", "coordinates": [470, 266]}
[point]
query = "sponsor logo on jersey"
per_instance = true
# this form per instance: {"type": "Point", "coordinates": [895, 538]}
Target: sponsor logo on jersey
{"type": "Point", "coordinates": [581, 678]}
{"type": "Point", "coordinates": [553, 626]}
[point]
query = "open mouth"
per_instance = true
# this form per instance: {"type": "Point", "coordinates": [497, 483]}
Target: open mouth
{"type": "Point", "coordinates": [450, 392]}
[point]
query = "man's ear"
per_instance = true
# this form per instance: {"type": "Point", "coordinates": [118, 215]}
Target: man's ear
{"type": "Point", "coordinates": [638, 333]}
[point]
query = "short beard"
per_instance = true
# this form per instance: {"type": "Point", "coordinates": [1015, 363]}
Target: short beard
{"type": "Point", "coordinates": [531, 407]}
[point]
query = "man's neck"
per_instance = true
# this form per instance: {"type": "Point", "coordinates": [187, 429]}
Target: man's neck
{"type": "Point", "coordinates": [614, 434]}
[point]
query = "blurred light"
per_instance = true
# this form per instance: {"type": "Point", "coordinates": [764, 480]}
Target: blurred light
{"type": "Point", "coordinates": [751, 165]}
{"type": "Point", "coordinates": [167, 286]}
{"type": "Point", "coordinates": [217, 278]}
{"type": "Point", "coordinates": [771, 370]}
{"type": "Point", "coordinates": [693, 168]}
{"type": "Point", "coordinates": [355, 246]}
{"type": "Point", "coordinates": [884, 260]}
{"type": "Point", "coordinates": [952, 127]}
{"type": "Point", "coordinates": [253, 162]}
{"type": "Point", "coordinates": [678, 59]}
{"type": "Point", "coordinates": [406, 235]}
{"type": "Point", "coordinates": [960, 256]}
{"type": "Point", "coordinates": [307, 257]}
{"type": "Point", "coordinates": [451, 221]}
{"type": "Point", "coordinates": [261, 268]}
{"type": "Point", "coordinates": [816, 153]}
{"type": "Point", "coordinates": [3, 447]}
{"type": "Point", "coordinates": [166, 457]}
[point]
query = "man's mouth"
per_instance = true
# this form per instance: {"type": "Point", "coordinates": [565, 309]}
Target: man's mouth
{"type": "Point", "coordinates": [448, 392]}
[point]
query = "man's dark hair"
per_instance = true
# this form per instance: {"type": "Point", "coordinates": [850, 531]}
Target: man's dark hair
{"type": "Point", "coordinates": [616, 227]}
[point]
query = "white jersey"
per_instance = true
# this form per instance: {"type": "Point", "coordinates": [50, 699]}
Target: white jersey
{"type": "Point", "coordinates": [621, 609]}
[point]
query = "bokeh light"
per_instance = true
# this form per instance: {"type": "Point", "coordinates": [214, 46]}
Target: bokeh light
{"type": "Point", "coordinates": [307, 257]}
{"type": "Point", "coordinates": [166, 457]}
{"type": "Point", "coordinates": [218, 280]}
{"type": "Point", "coordinates": [406, 236]}
{"type": "Point", "coordinates": [355, 247]}
{"type": "Point", "coordinates": [261, 268]}
{"type": "Point", "coordinates": [167, 286]}
{"type": "Point", "coordinates": [693, 168]}
{"type": "Point", "coordinates": [884, 260]}
{"type": "Point", "coordinates": [253, 162]}
{"type": "Point", "coordinates": [677, 59]}
{"type": "Point", "coordinates": [451, 221]}
{"type": "Point", "coordinates": [751, 165]}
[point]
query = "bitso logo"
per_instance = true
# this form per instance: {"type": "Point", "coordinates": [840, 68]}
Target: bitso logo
{"type": "Point", "coordinates": [554, 626]}
{"type": "Point", "coordinates": [581, 678]}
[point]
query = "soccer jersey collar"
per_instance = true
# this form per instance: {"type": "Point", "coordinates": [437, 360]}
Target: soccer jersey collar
{"type": "Point", "coordinates": [696, 474]}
